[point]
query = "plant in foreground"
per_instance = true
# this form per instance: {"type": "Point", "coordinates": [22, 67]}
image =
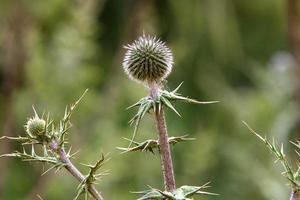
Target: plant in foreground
{"type": "Point", "coordinates": [43, 134]}
{"type": "Point", "coordinates": [149, 61]}
{"type": "Point", "coordinates": [292, 175]}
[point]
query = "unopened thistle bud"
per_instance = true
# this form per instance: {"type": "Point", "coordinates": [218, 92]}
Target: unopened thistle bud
{"type": "Point", "coordinates": [148, 60]}
{"type": "Point", "coordinates": [35, 126]}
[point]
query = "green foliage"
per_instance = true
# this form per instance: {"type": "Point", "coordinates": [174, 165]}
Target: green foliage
{"type": "Point", "coordinates": [292, 176]}
{"type": "Point", "coordinates": [91, 178]}
{"type": "Point", "coordinates": [182, 193]}
{"type": "Point", "coordinates": [151, 145]}
{"type": "Point", "coordinates": [53, 144]}
{"type": "Point", "coordinates": [146, 104]}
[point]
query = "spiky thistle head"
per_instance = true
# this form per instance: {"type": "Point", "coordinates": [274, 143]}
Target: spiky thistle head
{"type": "Point", "coordinates": [148, 60]}
{"type": "Point", "coordinates": [35, 126]}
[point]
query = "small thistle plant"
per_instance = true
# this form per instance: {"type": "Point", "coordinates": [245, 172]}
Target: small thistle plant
{"type": "Point", "coordinates": [35, 126]}
{"type": "Point", "coordinates": [42, 133]}
{"type": "Point", "coordinates": [149, 61]}
{"type": "Point", "coordinates": [292, 175]}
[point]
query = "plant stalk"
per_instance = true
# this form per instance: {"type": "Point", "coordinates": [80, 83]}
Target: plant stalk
{"type": "Point", "coordinates": [70, 167]}
{"type": "Point", "coordinates": [295, 195]}
{"type": "Point", "coordinates": [164, 147]}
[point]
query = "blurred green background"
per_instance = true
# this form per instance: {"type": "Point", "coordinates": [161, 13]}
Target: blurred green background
{"type": "Point", "coordinates": [242, 53]}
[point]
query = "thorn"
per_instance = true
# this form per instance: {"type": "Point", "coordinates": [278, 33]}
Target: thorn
{"type": "Point", "coordinates": [252, 131]}
{"type": "Point", "coordinates": [35, 113]}
{"type": "Point", "coordinates": [177, 88]}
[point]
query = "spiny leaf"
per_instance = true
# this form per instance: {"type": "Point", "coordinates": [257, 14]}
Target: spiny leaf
{"type": "Point", "coordinates": [32, 157]}
{"type": "Point", "coordinates": [191, 190]}
{"type": "Point", "coordinates": [151, 144]}
{"type": "Point", "coordinates": [19, 138]}
{"type": "Point", "coordinates": [143, 109]}
{"type": "Point", "coordinates": [91, 178]}
{"type": "Point", "coordinates": [140, 102]}
{"type": "Point", "coordinates": [173, 95]}
{"type": "Point", "coordinates": [182, 193]}
{"type": "Point", "coordinates": [169, 105]}
{"type": "Point", "coordinates": [175, 140]}
{"type": "Point", "coordinates": [279, 154]}
{"type": "Point", "coordinates": [65, 123]}
{"type": "Point", "coordinates": [151, 194]}
{"type": "Point", "coordinates": [57, 166]}
{"type": "Point", "coordinates": [148, 145]}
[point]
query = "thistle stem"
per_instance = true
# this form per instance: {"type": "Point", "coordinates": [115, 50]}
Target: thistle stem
{"type": "Point", "coordinates": [70, 167]}
{"type": "Point", "coordinates": [164, 147]}
{"type": "Point", "coordinates": [295, 195]}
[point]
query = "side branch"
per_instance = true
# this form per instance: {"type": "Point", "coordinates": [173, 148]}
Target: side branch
{"type": "Point", "coordinates": [70, 167]}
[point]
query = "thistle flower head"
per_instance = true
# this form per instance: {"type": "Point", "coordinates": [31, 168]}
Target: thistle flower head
{"type": "Point", "coordinates": [148, 59]}
{"type": "Point", "coordinates": [35, 126]}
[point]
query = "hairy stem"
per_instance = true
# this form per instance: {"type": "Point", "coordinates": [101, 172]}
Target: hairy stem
{"type": "Point", "coordinates": [70, 167]}
{"type": "Point", "coordinates": [164, 147]}
{"type": "Point", "coordinates": [295, 195]}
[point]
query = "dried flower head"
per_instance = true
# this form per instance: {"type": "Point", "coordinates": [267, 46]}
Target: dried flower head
{"type": "Point", "coordinates": [148, 59]}
{"type": "Point", "coordinates": [35, 126]}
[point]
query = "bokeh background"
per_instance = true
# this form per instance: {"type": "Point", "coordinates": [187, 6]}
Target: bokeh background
{"type": "Point", "coordinates": [242, 53]}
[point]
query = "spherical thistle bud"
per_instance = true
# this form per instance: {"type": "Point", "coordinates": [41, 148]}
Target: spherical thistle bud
{"type": "Point", "coordinates": [148, 60]}
{"type": "Point", "coordinates": [35, 126]}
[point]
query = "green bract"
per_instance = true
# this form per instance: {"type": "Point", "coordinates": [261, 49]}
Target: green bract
{"type": "Point", "coordinates": [183, 193]}
{"type": "Point", "coordinates": [35, 126]}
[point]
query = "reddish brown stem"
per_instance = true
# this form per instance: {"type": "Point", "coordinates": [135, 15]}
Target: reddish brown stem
{"type": "Point", "coordinates": [295, 195]}
{"type": "Point", "coordinates": [164, 147]}
{"type": "Point", "coordinates": [165, 152]}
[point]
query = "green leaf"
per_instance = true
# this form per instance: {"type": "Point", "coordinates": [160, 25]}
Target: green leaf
{"type": "Point", "coordinates": [279, 154]}
{"type": "Point", "coordinates": [169, 105]}
{"type": "Point", "coordinates": [182, 193]}
{"type": "Point", "coordinates": [145, 106]}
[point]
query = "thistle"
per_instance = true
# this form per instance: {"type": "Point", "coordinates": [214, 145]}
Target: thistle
{"type": "Point", "coordinates": [35, 126]}
{"type": "Point", "coordinates": [149, 61]}
{"type": "Point", "coordinates": [53, 142]}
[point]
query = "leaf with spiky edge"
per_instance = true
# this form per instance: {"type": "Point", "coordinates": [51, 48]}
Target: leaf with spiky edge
{"type": "Point", "coordinates": [146, 104]}
{"type": "Point", "coordinates": [81, 189]}
{"type": "Point", "coordinates": [173, 95]}
{"type": "Point", "coordinates": [189, 191]}
{"type": "Point", "coordinates": [92, 177]}
{"type": "Point", "coordinates": [150, 194]}
{"type": "Point", "coordinates": [148, 145]}
{"type": "Point", "coordinates": [65, 123]}
{"type": "Point", "coordinates": [182, 193]}
{"type": "Point", "coordinates": [279, 154]}
{"type": "Point", "coordinates": [33, 157]}
{"type": "Point", "coordinates": [19, 138]}
{"type": "Point", "coordinates": [93, 169]}
{"type": "Point", "coordinates": [297, 173]}
{"type": "Point", "coordinates": [151, 144]}
{"type": "Point", "coordinates": [167, 103]}
{"type": "Point", "coordinates": [144, 107]}
{"type": "Point", "coordinates": [174, 140]}
{"type": "Point", "coordinates": [140, 102]}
